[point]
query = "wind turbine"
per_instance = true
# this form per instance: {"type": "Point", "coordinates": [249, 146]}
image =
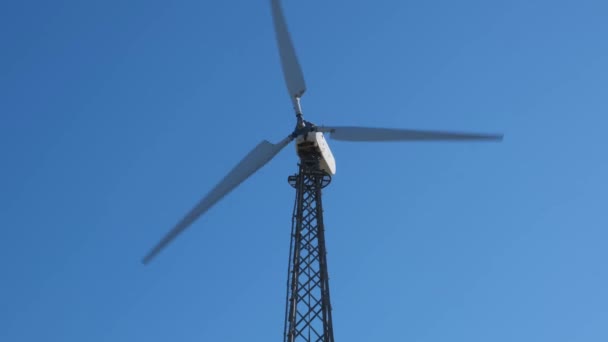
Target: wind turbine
{"type": "Point", "coordinates": [308, 309]}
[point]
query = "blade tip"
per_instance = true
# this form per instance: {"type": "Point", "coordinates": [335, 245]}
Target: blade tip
{"type": "Point", "coordinates": [146, 260]}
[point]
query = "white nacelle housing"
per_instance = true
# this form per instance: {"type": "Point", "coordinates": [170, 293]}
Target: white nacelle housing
{"type": "Point", "coordinates": [315, 142]}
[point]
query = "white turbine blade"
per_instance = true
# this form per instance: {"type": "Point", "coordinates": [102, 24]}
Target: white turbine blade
{"type": "Point", "coordinates": [252, 162]}
{"type": "Point", "coordinates": [389, 134]}
{"type": "Point", "coordinates": [289, 60]}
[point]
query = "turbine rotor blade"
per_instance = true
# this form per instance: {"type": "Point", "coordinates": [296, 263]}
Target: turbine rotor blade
{"type": "Point", "coordinates": [294, 78]}
{"type": "Point", "coordinates": [252, 162]}
{"type": "Point", "coordinates": [347, 133]}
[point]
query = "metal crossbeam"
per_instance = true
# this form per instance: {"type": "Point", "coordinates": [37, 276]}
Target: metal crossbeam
{"type": "Point", "coordinates": [308, 308]}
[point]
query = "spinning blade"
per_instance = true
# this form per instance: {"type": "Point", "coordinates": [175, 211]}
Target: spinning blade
{"type": "Point", "coordinates": [348, 133]}
{"type": "Point", "coordinates": [294, 78]}
{"type": "Point", "coordinates": [252, 162]}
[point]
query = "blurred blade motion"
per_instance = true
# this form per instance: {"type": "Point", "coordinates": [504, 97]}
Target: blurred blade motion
{"type": "Point", "coordinates": [347, 133]}
{"type": "Point", "coordinates": [252, 162]}
{"type": "Point", "coordinates": [292, 71]}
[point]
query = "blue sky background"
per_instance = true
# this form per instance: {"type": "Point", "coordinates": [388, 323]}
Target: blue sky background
{"type": "Point", "coordinates": [116, 117]}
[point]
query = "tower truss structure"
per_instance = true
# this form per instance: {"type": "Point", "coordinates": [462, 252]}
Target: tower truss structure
{"type": "Point", "coordinates": [308, 307]}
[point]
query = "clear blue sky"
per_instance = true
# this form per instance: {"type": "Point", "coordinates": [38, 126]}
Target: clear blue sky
{"type": "Point", "coordinates": [117, 116]}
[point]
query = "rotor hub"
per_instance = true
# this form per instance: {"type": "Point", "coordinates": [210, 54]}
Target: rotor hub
{"type": "Point", "coordinates": [303, 127]}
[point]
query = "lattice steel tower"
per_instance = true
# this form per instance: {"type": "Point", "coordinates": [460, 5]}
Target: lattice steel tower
{"type": "Point", "coordinates": [308, 308]}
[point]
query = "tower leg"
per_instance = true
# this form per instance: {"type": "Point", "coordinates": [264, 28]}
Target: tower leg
{"type": "Point", "coordinates": [308, 308]}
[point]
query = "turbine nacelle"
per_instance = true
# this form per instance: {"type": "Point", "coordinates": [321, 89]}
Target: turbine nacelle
{"type": "Point", "coordinates": [311, 146]}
